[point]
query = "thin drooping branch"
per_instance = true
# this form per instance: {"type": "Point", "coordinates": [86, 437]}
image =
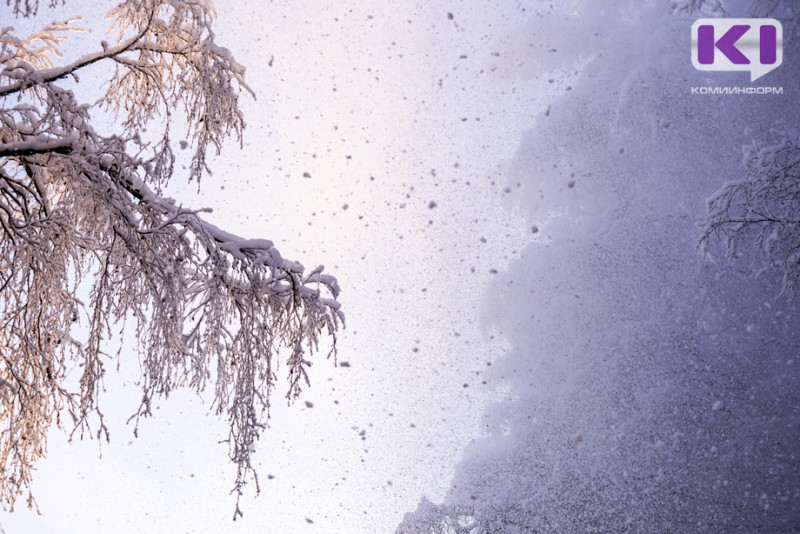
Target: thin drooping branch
{"type": "Point", "coordinates": [87, 239]}
{"type": "Point", "coordinates": [27, 8]}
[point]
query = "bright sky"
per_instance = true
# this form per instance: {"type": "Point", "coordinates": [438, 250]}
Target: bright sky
{"type": "Point", "coordinates": [405, 115]}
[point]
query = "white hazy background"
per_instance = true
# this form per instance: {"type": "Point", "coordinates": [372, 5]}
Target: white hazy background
{"type": "Point", "coordinates": [405, 116]}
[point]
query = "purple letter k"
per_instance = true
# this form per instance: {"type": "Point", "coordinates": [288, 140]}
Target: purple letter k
{"type": "Point", "coordinates": [726, 44]}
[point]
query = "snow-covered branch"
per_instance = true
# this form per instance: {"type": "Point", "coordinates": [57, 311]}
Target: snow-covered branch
{"type": "Point", "coordinates": [762, 209]}
{"type": "Point", "coordinates": [41, 144]}
{"type": "Point", "coordinates": [27, 76]}
{"type": "Point", "coordinates": [80, 209]}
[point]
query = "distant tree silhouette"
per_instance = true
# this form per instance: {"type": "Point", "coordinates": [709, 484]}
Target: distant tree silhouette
{"type": "Point", "coordinates": [762, 209]}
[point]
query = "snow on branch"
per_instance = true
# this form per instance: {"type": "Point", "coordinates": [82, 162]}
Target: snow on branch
{"type": "Point", "coordinates": [79, 209]}
{"type": "Point", "coordinates": [762, 209]}
{"type": "Point", "coordinates": [41, 144]}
